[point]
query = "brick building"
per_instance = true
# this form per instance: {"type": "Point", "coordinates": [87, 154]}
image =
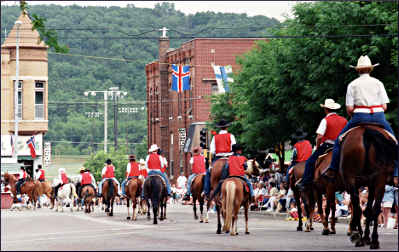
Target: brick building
{"type": "Point", "coordinates": [32, 96]}
{"type": "Point", "coordinates": [175, 119]}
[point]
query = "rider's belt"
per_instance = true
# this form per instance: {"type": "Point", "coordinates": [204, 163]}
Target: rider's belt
{"type": "Point", "coordinates": [224, 154]}
{"type": "Point", "coordinates": [368, 109]}
{"type": "Point", "coordinates": [329, 141]}
{"type": "Point", "coordinates": [154, 170]}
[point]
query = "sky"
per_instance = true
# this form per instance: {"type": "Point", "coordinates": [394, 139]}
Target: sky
{"type": "Point", "coordinates": [271, 9]}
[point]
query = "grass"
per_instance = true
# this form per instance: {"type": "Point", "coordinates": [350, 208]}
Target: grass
{"type": "Point", "coordinates": [71, 164]}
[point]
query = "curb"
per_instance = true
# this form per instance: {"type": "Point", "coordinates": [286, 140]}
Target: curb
{"type": "Point", "coordinates": [283, 216]}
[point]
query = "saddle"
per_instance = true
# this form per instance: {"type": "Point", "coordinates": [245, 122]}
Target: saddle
{"type": "Point", "coordinates": [156, 175]}
{"type": "Point", "coordinates": [246, 188]}
{"type": "Point", "coordinates": [342, 137]}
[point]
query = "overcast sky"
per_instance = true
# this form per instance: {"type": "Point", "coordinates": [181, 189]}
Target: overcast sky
{"type": "Point", "coordinates": [272, 9]}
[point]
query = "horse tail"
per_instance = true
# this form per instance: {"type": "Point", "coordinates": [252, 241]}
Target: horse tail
{"type": "Point", "coordinates": [110, 189]}
{"type": "Point", "coordinates": [155, 190]}
{"type": "Point", "coordinates": [86, 195]}
{"type": "Point", "coordinates": [230, 196]}
{"type": "Point", "coordinates": [385, 149]}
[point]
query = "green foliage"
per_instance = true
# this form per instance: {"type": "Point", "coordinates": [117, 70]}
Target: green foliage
{"type": "Point", "coordinates": [283, 81]}
{"type": "Point", "coordinates": [110, 33]}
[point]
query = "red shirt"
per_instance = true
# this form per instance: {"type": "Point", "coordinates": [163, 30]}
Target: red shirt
{"type": "Point", "coordinates": [109, 172]}
{"type": "Point", "coordinates": [134, 169]}
{"type": "Point", "coordinates": [198, 164]}
{"type": "Point", "coordinates": [236, 165]}
{"type": "Point", "coordinates": [86, 178]}
{"type": "Point", "coordinates": [64, 178]}
{"type": "Point", "coordinates": [303, 150]}
{"type": "Point", "coordinates": [154, 162]}
{"type": "Point", "coordinates": [42, 175]}
{"type": "Point", "coordinates": [223, 143]}
{"type": "Point", "coordinates": [335, 124]}
{"type": "Point", "coordinates": [144, 173]}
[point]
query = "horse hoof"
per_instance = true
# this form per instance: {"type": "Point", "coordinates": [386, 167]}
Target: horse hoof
{"type": "Point", "coordinates": [232, 234]}
{"type": "Point", "coordinates": [128, 218]}
{"type": "Point", "coordinates": [375, 245]}
{"type": "Point", "coordinates": [325, 232]}
{"type": "Point", "coordinates": [148, 218]}
{"type": "Point", "coordinates": [218, 232]}
{"type": "Point", "coordinates": [367, 240]}
{"type": "Point", "coordinates": [360, 243]}
{"type": "Point", "coordinates": [332, 232]}
{"type": "Point", "coordinates": [247, 233]}
{"type": "Point", "coordinates": [311, 228]}
{"type": "Point", "coordinates": [355, 236]}
{"type": "Point", "coordinates": [195, 217]}
{"type": "Point", "coordinates": [111, 214]}
{"type": "Point", "coordinates": [299, 229]}
{"type": "Point", "coordinates": [206, 221]}
{"type": "Point", "coordinates": [201, 221]}
{"type": "Point", "coordinates": [349, 233]}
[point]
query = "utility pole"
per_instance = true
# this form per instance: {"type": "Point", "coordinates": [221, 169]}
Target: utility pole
{"type": "Point", "coordinates": [16, 85]}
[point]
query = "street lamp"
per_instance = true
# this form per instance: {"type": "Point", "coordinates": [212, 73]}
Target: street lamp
{"type": "Point", "coordinates": [18, 23]}
{"type": "Point", "coordinates": [112, 92]}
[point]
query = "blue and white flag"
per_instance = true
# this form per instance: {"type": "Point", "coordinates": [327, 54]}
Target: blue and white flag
{"type": "Point", "coordinates": [180, 78]}
{"type": "Point", "coordinates": [223, 77]}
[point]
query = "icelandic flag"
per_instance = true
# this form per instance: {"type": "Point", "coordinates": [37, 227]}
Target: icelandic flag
{"type": "Point", "coordinates": [32, 147]}
{"type": "Point", "coordinates": [223, 77]}
{"type": "Point", "coordinates": [180, 78]}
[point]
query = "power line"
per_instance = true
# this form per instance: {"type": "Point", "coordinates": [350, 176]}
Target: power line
{"type": "Point", "coordinates": [64, 141]}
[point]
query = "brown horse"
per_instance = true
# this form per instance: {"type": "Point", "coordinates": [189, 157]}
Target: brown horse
{"type": "Point", "coordinates": [367, 159]}
{"type": "Point", "coordinates": [43, 188]}
{"type": "Point", "coordinates": [109, 192]}
{"type": "Point", "coordinates": [196, 189]}
{"type": "Point", "coordinates": [234, 196]}
{"type": "Point", "coordinates": [216, 173]}
{"type": "Point", "coordinates": [27, 188]}
{"type": "Point", "coordinates": [88, 195]}
{"type": "Point", "coordinates": [133, 191]}
{"type": "Point", "coordinates": [296, 174]}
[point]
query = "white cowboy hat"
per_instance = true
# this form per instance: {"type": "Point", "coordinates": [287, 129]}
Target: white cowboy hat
{"type": "Point", "coordinates": [61, 169]}
{"type": "Point", "coordinates": [330, 104]}
{"type": "Point", "coordinates": [364, 62]}
{"type": "Point", "coordinates": [142, 161]}
{"type": "Point", "coordinates": [153, 148]}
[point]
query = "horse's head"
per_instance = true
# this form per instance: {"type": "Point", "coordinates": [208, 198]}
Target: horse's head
{"type": "Point", "coordinates": [8, 178]}
{"type": "Point", "coordinates": [253, 168]}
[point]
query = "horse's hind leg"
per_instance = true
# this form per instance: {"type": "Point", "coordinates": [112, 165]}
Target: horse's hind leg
{"type": "Point", "coordinates": [298, 205]}
{"type": "Point", "coordinates": [379, 193]}
{"type": "Point", "coordinates": [246, 217]}
{"type": "Point", "coordinates": [368, 213]}
{"type": "Point", "coordinates": [219, 227]}
{"type": "Point", "coordinates": [201, 202]}
{"type": "Point", "coordinates": [112, 207]}
{"type": "Point", "coordinates": [148, 209]}
{"type": "Point", "coordinates": [127, 205]}
{"type": "Point", "coordinates": [356, 228]}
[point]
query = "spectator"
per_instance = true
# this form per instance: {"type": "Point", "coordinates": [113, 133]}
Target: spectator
{"type": "Point", "coordinates": [260, 191]}
{"type": "Point", "coordinates": [278, 177]}
{"type": "Point", "coordinates": [282, 200]}
{"type": "Point", "coordinates": [387, 202]}
{"type": "Point", "coordinates": [181, 181]}
{"type": "Point", "coordinates": [174, 194]}
{"type": "Point", "coordinates": [290, 198]}
{"type": "Point", "coordinates": [273, 196]}
{"type": "Point", "coordinates": [341, 209]}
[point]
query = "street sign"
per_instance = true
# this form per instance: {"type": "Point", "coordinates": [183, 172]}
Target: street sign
{"type": "Point", "coordinates": [47, 154]}
{"type": "Point", "coordinates": [182, 137]}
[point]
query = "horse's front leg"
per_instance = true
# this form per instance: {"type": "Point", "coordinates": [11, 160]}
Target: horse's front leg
{"type": "Point", "coordinates": [246, 217]}
{"type": "Point", "coordinates": [128, 206]}
{"type": "Point", "coordinates": [219, 226]}
{"type": "Point", "coordinates": [201, 202]}
{"type": "Point", "coordinates": [299, 207]}
{"type": "Point", "coordinates": [195, 207]}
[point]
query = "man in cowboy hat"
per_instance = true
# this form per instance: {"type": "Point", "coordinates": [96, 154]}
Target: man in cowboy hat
{"type": "Point", "coordinates": [21, 179]}
{"type": "Point", "coordinates": [366, 102]}
{"type": "Point", "coordinates": [40, 175]}
{"type": "Point", "coordinates": [237, 166]}
{"type": "Point", "coordinates": [63, 180]}
{"type": "Point", "coordinates": [108, 172]}
{"type": "Point", "coordinates": [197, 162]}
{"type": "Point", "coordinates": [86, 178]}
{"type": "Point", "coordinates": [143, 169]}
{"type": "Point", "coordinates": [154, 164]}
{"type": "Point", "coordinates": [221, 146]}
{"type": "Point", "coordinates": [79, 184]}
{"type": "Point", "coordinates": [327, 133]}
{"type": "Point", "coordinates": [301, 152]}
{"type": "Point", "coordinates": [132, 171]}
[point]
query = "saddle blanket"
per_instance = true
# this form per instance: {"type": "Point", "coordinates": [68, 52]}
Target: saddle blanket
{"type": "Point", "coordinates": [246, 188]}
{"type": "Point", "coordinates": [341, 137]}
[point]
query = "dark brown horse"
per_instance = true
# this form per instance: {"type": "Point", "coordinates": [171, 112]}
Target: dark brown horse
{"type": "Point", "coordinates": [155, 190]}
{"type": "Point", "coordinates": [367, 159]}
{"type": "Point", "coordinates": [133, 191]}
{"type": "Point", "coordinates": [196, 189]}
{"type": "Point", "coordinates": [296, 174]}
{"type": "Point", "coordinates": [234, 196]}
{"type": "Point", "coordinates": [27, 188]}
{"type": "Point", "coordinates": [109, 192]}
{"type": "Point", "coordinates": [88, 196]}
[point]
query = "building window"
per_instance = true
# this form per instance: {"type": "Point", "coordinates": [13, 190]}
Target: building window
{"type": "Point", "coordinates": [214, 88]}
{"type": "Point", "coordinates": [39, 100]}
{"type": "Point", "coordinates": [19, 107]}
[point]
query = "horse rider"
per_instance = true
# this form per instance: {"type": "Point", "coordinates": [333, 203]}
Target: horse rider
{"type": "Point", "coordinates": [40, 174]}
{"type": "Point", "coordinates": [154, 164]}
{"type": "Point", "coordinates": [132, 171]}
{"type": "Point", "coordinates": [86, 178]}
{"type": "Point", "coordinates": [327, 133]}
{"type": "Point", "coordinates": [108, 172]}
{"type": "Point", "coordinates": [63, 180]}
{"type": "Point", "coordinates": [302, 150]}
{"type": "Point", "coordinates": [197, 162]}
{"type": "Point", "coordinates": [366, 102]}
{"type": "Point", "coordinates": [237, 167]}
{"type": "Point", "coordinates": [79, 184]}
{"type": "Point", "coordinates": [165, 161]}
{"type": "Point", "coordinates": [21, 179]}
{"type": "Point", "coordinates": [143, 170]}
{"type": "Point", "coordinates": [221, 146]}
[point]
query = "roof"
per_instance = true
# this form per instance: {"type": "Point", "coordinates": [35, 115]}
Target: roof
{"type": "Point", "coordinates": [27, 37]}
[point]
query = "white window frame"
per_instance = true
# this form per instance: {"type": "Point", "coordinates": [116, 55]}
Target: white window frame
{"type": "Point", "coordinates": [19, 105]}
{"type": "Point", "coordinates": [38, 106]}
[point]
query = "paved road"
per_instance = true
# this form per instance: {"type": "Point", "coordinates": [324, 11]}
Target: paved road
{"type": "Point", "coordinates": [45, 230]}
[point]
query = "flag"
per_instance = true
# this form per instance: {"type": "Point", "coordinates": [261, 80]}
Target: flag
{"type": "Point", "coordinates": [223, 77]}
{"type": "Point", "coordinates": [32, 147]}
{"type": "Point", "coordinates": [12, 145]}
{"type": "Point", "coordinates": [180, 78]}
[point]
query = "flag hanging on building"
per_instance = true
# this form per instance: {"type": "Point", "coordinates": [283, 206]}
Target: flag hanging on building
{"type": "Point", "coordinates": [12, 145]}
{"type": "Point", "coordinates": [223, 77]}
{"type": "Point", "coordinates": [32, 147]}
{"type": "Point", "coordinates": [180, 78]}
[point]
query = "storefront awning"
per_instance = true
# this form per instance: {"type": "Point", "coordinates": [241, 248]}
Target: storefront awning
{"type": "Point", "coordinates": [10, 167]}
{"type": "Point", "coordinates": [25, 158]}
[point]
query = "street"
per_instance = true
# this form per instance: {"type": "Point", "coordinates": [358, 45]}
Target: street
{"type": "Point", "coordinates": [46, 230]}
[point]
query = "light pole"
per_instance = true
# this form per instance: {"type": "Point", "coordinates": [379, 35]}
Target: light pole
{"type": "Point", "coordinates": [113, 92]}
{"type": "Point", "coordinates": [18, 23]}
